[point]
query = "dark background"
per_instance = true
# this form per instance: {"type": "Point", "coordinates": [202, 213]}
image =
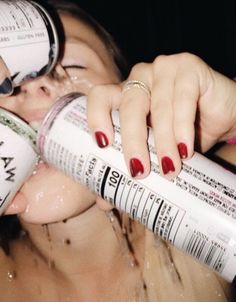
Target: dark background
{"type": "Point", "coordinates": [144, 29]}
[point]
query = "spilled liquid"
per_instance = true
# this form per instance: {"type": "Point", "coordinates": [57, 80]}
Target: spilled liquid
{"type": "Point", "coordinates": [179, 282]}
{"type": "Point", "coordinates": [123, 229]}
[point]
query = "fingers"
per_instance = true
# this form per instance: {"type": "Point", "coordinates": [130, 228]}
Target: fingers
{"type": "Point", "coordinates": [175, 86]}
{"type": "Point", "coordinates": [162, 121]}
{"type": "Point", "coordinates": [6, 87]}
{"type": "Point", "coordinates": [175, 94]}
{"type": "Point", "coordinates": [184, 106]}
{"type": "Point", "coordinates": [134, 109]}
{"type": "Point", "coordinates": [100, 102]}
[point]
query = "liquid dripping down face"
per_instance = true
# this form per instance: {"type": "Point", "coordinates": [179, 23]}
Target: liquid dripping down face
{"type": "Point", "coordinates": [50, 196]}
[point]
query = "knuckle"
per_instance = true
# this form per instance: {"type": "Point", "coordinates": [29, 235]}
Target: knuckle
{"type": "Point", "coordinates": [138, 69]}
{"type": "Point", "coordinates": [181, 58]}
{"type": "Point", "coordinates": [96, 90]}
{"type": "Point", "coordinates": [188, 58]}
{"type": "Point", "coordinates": [95, 93]}
{"type": "Point", "coordinates": [160, 60]}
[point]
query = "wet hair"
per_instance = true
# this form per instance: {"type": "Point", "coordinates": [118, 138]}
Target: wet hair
{"type": "Point", "coordinates": [10, 227]}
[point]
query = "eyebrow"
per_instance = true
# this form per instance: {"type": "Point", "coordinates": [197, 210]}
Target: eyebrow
{"type": "Point", "coordinates": [76, 39]}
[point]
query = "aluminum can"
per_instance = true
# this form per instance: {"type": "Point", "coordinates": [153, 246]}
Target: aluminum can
{"type": "Point", "coordinates": [18, 155]}
{"type": "Point", "coordinates": [28, 40]}
{"type": "Point", "coordinates": [196, 212]}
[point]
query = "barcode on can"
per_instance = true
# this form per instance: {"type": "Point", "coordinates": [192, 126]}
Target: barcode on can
{"type": "Point", "coordinates": [206, 250]}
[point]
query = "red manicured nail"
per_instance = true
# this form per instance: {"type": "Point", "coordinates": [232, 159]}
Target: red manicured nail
{"type": "Point", "coordinates": [167, 165]}
{"type": "Point", "coordinates": [183, 151]}
{"type": "Point", "coordinates": [101, 139]}
{"type": "Point", "coordinates": [136, 167]}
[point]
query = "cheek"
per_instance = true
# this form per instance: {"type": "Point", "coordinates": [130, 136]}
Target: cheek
{"type": "Point", "coordinates": [53, 197]}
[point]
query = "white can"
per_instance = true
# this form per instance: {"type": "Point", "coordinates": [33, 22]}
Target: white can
{"type": "Point", "coordinates": [28, 40]}
{"type": "Point", "coordinates": [196, 212]}
{"type": "Point", "coordinates": [18, 156]}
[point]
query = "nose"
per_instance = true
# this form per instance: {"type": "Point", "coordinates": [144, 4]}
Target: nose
{"type": "Point", "coordinates": [46, 87]}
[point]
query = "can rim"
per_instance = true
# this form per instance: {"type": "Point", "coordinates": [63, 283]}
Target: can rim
{"type": "Point", "coordinates": [19, 126]}
{"type": "Point", "coordinates": [55, 35]}
{"type": "Point", "coordinates": [51, 116]}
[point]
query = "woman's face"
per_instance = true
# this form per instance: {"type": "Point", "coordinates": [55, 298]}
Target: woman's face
{"type": "Point", "coordinates": [48, 195]}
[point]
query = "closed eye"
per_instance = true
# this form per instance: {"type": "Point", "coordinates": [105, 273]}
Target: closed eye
{"type": "Point", "coordinates": [73, 67]}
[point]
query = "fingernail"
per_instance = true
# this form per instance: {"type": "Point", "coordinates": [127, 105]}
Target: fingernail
{"type": "Point", "coordinates": [101, 139]}
{"type": "Point", "coordinates": [167, 165]}
{"type": "Point", "coordinates": [183, 151]}
{"type": "Point", "coordinates": [6, 86]}
{"type": "Point", "coordinates": [136, 167]}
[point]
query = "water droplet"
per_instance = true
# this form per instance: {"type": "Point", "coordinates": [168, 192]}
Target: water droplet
{"type": "Point", "coordinates": [157, 241]}
{"type": "Point", "coordinates": [132, 263]}
{"type": "Point", "coordinates": [111, 217]}
{"type": "Point", "coordinates": [218, 294]}
{"type": "Point", "coordinates": [11, 275]}
{"type": "Point", "coordinates": [147, 265]}
{"type": "Point", "coordinates": [182, 295]}
{"type": "Point", "coordinates": [124, 232]}
{"type": "Point", "coordinates": [208, 275]}
{"type": "Point", "coordinates": [51, 264]}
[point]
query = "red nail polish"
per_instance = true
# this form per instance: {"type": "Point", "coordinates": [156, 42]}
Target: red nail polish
{"type": "Point", "coordinates": [167, 165]}
{"type": "Point", "coordinates": [101, 139]}
{"type": "Point", "coordinates": [136, 167]}
{"type": "Point", "coordinates": [183, 151]}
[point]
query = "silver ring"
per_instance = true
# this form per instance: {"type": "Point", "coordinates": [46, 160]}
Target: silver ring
{"type": "Point", "coordinates": [136, 84]}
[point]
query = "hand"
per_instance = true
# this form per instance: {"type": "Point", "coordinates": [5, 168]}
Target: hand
{"type": "Point", "coordinates": [6, 87]}
{"type": "Point", "coordinates": [188, 100]}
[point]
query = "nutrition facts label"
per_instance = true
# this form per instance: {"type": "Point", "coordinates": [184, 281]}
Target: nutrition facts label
{"type": "Point", "coordinates": [27, 39]}
{"type": "Point", "coordinates": [152, 210]}
{"type": "Point", "coordinates": [20, 18]}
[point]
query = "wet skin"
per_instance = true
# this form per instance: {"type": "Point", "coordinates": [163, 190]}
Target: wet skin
{"type": "Point", "coordinates": [69, 250]}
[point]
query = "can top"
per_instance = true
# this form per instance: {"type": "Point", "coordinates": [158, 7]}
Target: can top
{"type": "Point", "coordinates": [19, 126]}
{"type": "Point", "coordinates": [52, 34]}
{"type": "Point", "coordinates": [51, 116]}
